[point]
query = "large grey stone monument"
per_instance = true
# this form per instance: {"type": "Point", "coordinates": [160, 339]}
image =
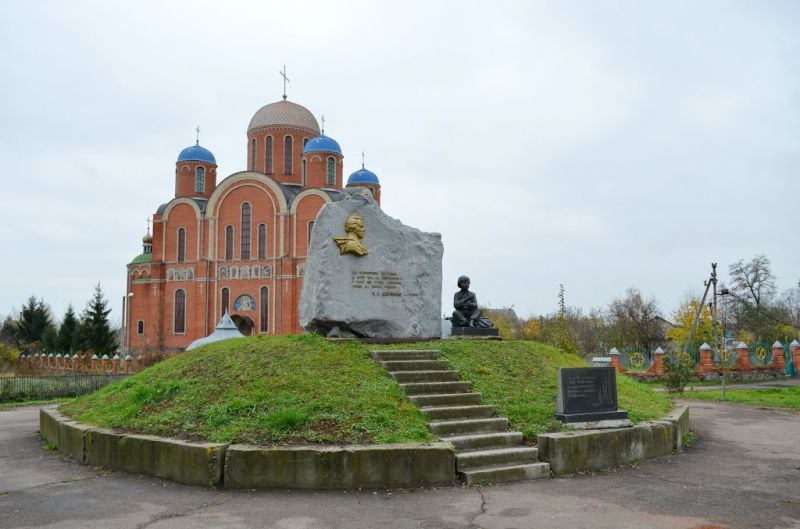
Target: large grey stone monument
{"type": "Point", "coordinates": [370, 276]}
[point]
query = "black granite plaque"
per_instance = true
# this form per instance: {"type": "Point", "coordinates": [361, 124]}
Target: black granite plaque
{"type": "Point", "coordinates": [587, 394]}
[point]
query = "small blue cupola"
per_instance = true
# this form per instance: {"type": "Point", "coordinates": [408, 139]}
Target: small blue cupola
{"type": "Point", "coordinates": [322, 143]}
{"type": "Point", "coordinates": [363, 176]}
{"type": "Point", "coordinates": [196, 153]}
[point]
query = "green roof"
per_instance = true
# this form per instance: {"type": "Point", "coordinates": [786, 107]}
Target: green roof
{"type": "Point", "coordinates": [143, 258]}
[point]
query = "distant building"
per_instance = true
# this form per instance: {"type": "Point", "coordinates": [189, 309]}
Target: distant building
{"type": "Point", "coordinates": [238, 245]}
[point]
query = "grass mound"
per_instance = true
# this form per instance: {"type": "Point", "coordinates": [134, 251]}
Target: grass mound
{"type": "Point", "coordinates": [521, 379]}
{"type": "Point", "coordinates": [261, 390]}
{"type": "Point", "coordinates": [294, 389]}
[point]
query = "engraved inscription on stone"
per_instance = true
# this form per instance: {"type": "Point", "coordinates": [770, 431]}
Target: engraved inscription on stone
{"type": "Point", "coordinates": [587, 389]}
{"type": "Point", "coordinates": [380, 284]}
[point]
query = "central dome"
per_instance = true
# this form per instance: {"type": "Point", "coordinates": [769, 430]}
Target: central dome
{"type": "Point", "coordinates": [283, 114]}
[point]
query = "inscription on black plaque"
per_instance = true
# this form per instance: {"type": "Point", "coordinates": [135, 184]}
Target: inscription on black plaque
{"type": "Point", "coordinates": [587, 394]}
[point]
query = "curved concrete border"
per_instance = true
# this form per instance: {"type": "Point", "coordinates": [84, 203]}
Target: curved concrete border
{"type": "Point", "coordinates": [243, 466]}
{"type": "Point", "coordinates": [570, 452]}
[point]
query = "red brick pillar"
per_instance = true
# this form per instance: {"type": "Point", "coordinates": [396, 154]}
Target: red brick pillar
{"type": "Point", "coordinates": [742, 357]}
{"type": "Point", "coordinates": [615, 363]}
{"type": "Point", "coordinates": [115, 362]}
{"type": "Point", "coordinates": [778, 361]}
{"type": "Point", "coordinates": [657, 368]}
{"type": "Point", "coordinates": [94, 363]}
{"type": "Point", "coordinates": [794, 347]}
{"type": "Point", "coordinates": [706, 363]}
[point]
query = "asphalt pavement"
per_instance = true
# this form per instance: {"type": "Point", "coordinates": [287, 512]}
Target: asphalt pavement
{"type": "Point", "coordinates": [742, 472]}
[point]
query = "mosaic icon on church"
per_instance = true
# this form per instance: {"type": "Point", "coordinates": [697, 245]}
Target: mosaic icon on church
{"type": "Point", "coordinates": [244, 303]}
{"type": "Point", "coordinates": [353, 240]}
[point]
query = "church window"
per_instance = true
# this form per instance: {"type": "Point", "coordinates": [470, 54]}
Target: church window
{"type": "Point", "coordinates": [305, 142]}
{"type": "Point", "coordinates": [287, 155]}
{"type": "Point", "coordinates": [226, 299]}
{"type": "Point", "coordinates": [181, 245]}
{"type": "Point", "coordinates": [200, 179]}
{"type": "Point", "coordinates": [268, 155]}
{"type": "Point", "coordinates": [303, 164]}
{"type": "Point", "coordinates": [331, 171]}
{"type": "Point", "coordinates": [253, 155]}
{"type": "Point", "coordinates": [229, 243]}
{"type": "Point", "coordinates": [179, 323]}
{"type": "Point", "coordinates": [140, 327]}
{"type": "Point", "coordinates": [262, 241]}
{"type": "Point", "coordinates": [264, 310]}
{"type": "Point", "coordinates": [310, 227]}
{"type": "Point", "coordinates": [245, 250]}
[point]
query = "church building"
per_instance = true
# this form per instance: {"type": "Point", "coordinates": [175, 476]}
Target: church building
{"type": "Point", "coordinates": [238, 245]}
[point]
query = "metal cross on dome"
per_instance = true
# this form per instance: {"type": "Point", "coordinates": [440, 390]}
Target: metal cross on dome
{"type": "Point", "coordinates": [148, 225]}
{"type": "Point", "coordinates": [362, 159]}
{"type": "Point", "coordinates": [285, 80]}
{"type": "Point", "coordinates": [197, 129]}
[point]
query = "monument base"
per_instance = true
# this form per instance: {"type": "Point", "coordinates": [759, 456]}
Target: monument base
{"type": "Point", "coordinates": [601, 425]}
{"type": "Point", "coordinates": [475, 331]}
{"type": "Point", "coordinates": [567, 418]}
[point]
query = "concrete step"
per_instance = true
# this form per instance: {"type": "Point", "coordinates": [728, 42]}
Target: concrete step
{"type": "Point", "coordinates": [415, 365]}
{"type": "Point", "coordinates": [403, 377]}
{"type": "Point", "coordinates": [468, 426]}
{"type": "Point", "coordinates": [497, 457]}
{"type": "Point", "coordinates": [446, 399]}
{"type": "Point", "coordinates": [420, 388]}
{"type": "Point", "coordinates": [501, 474]}
{"type": "Point", "coordinates": [405, 354]}
{"type": "Point", "coordinates": [438, 413]}
{"type": "Point", "coordinates": [483, 441]}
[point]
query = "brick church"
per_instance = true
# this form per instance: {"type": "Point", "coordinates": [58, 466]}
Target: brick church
{"type": "Point", "coordinates": [240, 244]}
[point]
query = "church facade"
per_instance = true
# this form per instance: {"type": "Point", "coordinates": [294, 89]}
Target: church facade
{"type": "Point", "coordinates": [238, 245]}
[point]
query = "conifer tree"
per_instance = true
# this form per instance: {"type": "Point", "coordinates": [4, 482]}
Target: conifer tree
{"type": "Point", "coordinates": [96, 333]}
{"type": "Point", "coordinates": [68, 332]}
{"type": "Point", "coordinates": [33, 321]}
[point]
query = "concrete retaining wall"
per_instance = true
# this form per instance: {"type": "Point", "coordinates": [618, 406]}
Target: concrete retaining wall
{"type": "Point", "coordinates": [570, 452]}
{"type": "Point", "coordinates": [350, 467]}
{"type": "Point", "coordinates": [241, 466]}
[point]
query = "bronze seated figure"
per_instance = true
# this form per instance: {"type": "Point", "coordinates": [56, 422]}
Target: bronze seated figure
{"type": "Point", "coordinates": [467, 313]}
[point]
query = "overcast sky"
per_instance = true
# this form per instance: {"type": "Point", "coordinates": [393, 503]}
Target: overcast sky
{"type": "Point", "coordinates": [601, 145]}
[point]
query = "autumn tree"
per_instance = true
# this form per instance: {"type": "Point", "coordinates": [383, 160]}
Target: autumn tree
{"type": "Point", "coordinates": [684, 318]}
{"type": "Point", "coordinates": [633, 320]}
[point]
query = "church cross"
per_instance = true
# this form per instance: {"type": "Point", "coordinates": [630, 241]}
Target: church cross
{"type": "Point", "coordinates": [148, 225]}
{"type": "Point", "coordinates": [362, 159]}
{"type": "Point", "coordinates": [285, 80]}
{"type": "Point", "coordinates": [323, 124]}
{"type": "Point", "coordinates": [197, 129]}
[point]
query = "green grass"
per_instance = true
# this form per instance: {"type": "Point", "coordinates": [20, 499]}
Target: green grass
{"type": "Point", "coordinates": [261, 390]}
{"type": "Point", "coordinates": [280, 390]}
{"type": "Point", "coordinates": [38, 402]}
{"type": "Point", "coordinates": [784, 398]}
{"type": "Point", "coordinates": [521, 377]}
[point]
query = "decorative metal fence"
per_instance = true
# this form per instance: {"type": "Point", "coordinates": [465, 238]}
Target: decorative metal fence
{"type": "Point", "coordinates": [636, 359]}
{"type": "Point", "coordinates": [48, 387]}
{"type": "Point", "coordinates": [761, 354]}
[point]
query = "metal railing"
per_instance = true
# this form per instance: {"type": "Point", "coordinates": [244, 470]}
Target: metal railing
{"type": "Point", "coordinates": [47, 387]}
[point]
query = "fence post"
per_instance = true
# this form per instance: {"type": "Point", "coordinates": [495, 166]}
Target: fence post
{"type": "Point", "coordinates": [115, 362]}
{"type": "Point", "coordinates": [778, 362]}
{"type": "Point", "coordinates": [615, 362]}
{"type": "Point", "coordinates": [706, 363]}
{"type": "Point", "coordinates": [658, 363]}
{"type": "Point", "coordinates": [794, 348]}
{"type": "Point", "coordinates": [743, 357]}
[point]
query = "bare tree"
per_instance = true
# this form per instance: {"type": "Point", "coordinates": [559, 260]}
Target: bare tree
{"type": "Point", "coordinates": [753, 280]}
{"type": "Point", "coordinates": [633, 320]}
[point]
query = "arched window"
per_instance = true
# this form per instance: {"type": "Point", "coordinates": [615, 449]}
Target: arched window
{"type": "Point", "coordinates": [200, 179]}
{"type": "Point", "coordinates": [181, 245]}
{"type": "Point", "coordinates": [331, 171]}
{"type": "Point", "coordinates": [226, 299]}
{"type": "Point", "coordinates": [303, 164]}
{"type": "Point", "coordinates": [287, 155]}
{"type": "Point", "coordinates": [253, 155]}
{"type": "Point", "coordinates": [263, 324]}
{"type": "Point", "coordinates": [229, 243]}
{"type": "Point", "coordinates": [262, 241]}
{"type": "Point", "coordinates": [268, 155]}
{"type": "Point", "coordinates": [305, 142]}
{"type": "Point", "coordinates": [179, 321]}
{"type": "Point", "coordinates": [140, 327]}
{"type": "Point", "coordinates": [310, 227]}
{"type": "Point", "coordinates": [245, 250]}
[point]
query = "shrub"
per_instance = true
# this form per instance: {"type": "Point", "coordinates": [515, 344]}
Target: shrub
{"type": "Point", "coordinates": [8, 356]}
{"type": "Point", "coordinates": [678, 372]}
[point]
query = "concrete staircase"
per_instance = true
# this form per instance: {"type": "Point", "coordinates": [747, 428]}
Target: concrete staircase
{"type": "Point", "coordinates": [486, 451]}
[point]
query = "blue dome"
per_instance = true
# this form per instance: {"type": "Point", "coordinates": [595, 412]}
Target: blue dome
{"type": "Point", "coordinates": [195, 153]}
{"type": "Point", "coordinates": [363, 176]}
{"type": "Point", "coordinates": [322, 143]}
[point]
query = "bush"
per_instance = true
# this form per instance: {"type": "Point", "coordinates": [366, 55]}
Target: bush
{"type": "Point", "coordinates": [678, 372]}
{"type": "Point", "coordinates": [8, 356]}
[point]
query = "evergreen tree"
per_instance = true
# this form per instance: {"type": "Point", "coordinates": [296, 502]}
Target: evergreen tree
{"type": "Point", "coordinates": [96, 333]}
{"type": "Point", "coordinates": [8, 332]}
{"type": "Point", "coordinates": [67, 340]}
{"type": "Point", "coordinates": [33, 321]}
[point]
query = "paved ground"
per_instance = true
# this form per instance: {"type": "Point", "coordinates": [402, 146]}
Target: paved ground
{"type": "Point", "coordinates": [743, 472]}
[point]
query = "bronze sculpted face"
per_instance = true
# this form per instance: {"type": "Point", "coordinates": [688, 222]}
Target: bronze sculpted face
{"type": "Point", "coordinates": [353, 240]}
